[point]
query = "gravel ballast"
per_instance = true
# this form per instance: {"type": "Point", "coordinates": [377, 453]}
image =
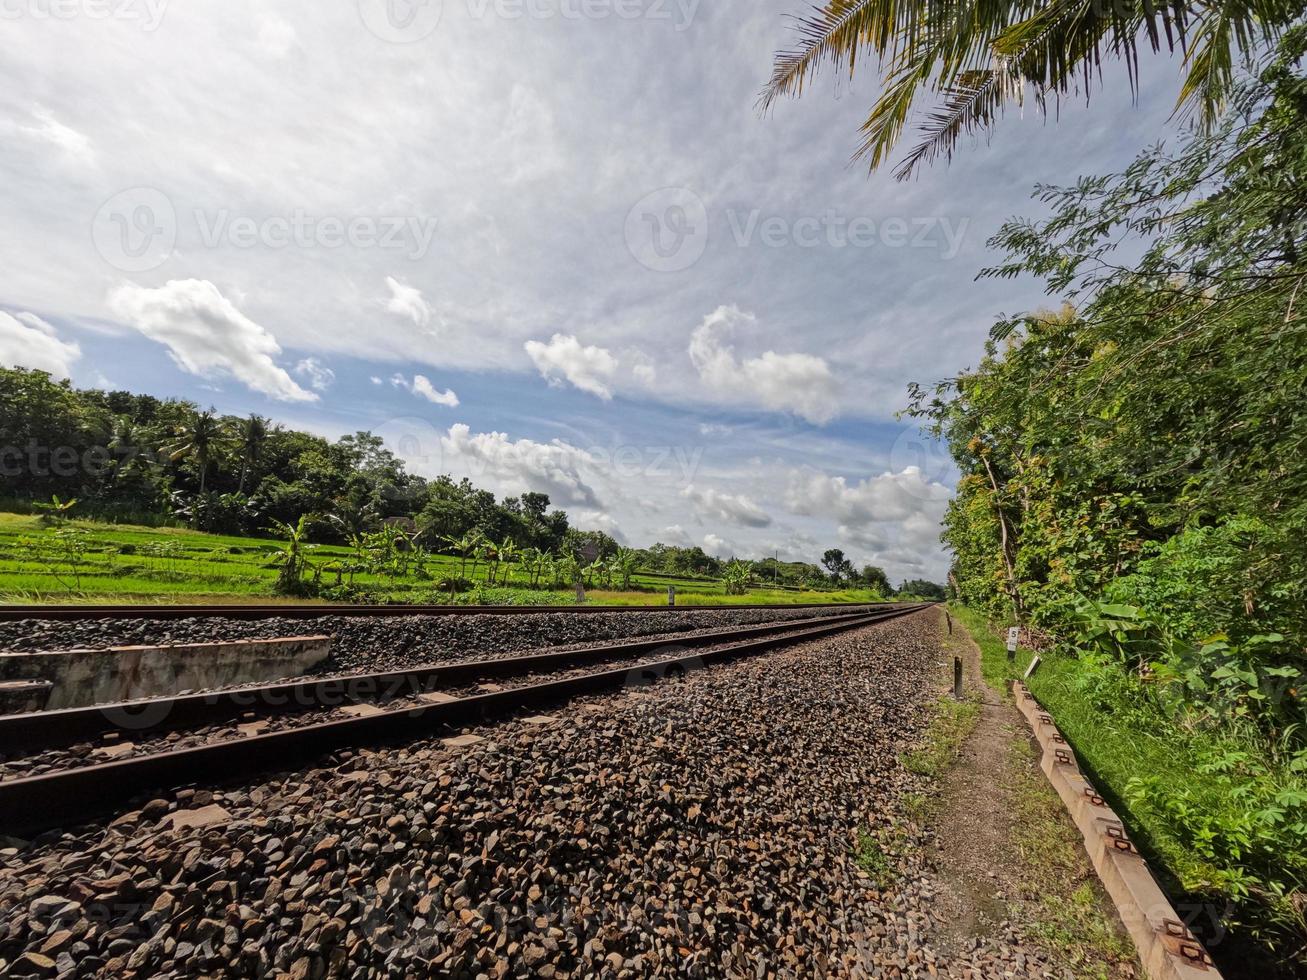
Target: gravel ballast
{"type": "Point", "coordinates": [393, 642]}
{"type": "Point", "coordinates": [698, 827]}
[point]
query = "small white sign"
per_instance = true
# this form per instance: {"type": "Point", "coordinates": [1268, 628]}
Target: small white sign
{"type": "Point", "coordinates": [1013, 635]}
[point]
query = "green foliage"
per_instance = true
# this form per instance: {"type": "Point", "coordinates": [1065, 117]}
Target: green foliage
{"type": "Point", "coordinates": [1133, 483]}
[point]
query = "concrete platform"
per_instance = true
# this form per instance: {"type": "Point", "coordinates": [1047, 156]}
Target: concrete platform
{"type": "Point", "coordinates": [79, 678]}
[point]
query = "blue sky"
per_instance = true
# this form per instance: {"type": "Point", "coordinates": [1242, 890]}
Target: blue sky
{"type": "Point", "coordinates": [546, 246]}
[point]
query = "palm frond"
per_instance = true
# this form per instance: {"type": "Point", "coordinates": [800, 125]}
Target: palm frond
{"type": "Point", "coordinates": [830, 33]}
{"type": "Point", "coordinates": [972, 102]}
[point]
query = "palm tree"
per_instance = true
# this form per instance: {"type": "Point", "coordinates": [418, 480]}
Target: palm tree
{"type": "Point", "coordinates": [127, 445]}
{"type": "Point", "coordinates": [978, 58]}
{"type": "Point", "coordinates": [201, 439]}
{"type": "Point", "coordinates": [252, 435]}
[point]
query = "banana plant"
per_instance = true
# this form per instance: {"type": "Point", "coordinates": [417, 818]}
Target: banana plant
{"type": "Point", "coordinates": [506, 552]}
{"type": "Point", "coordinates": [624, 564]}
{"type": "Point", "coordinates": [293, 560]}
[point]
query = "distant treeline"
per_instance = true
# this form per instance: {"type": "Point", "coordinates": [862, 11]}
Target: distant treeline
{"type": "Point", "coordinates": [135, 458]}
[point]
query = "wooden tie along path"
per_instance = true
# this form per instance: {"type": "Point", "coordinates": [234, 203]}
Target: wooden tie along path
{"type": "Point", "coordinates": [1166, 947]}
{"type": "Point", "coordinates": [74, 795]}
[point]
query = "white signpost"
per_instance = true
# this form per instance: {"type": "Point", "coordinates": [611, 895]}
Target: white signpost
{"type": "Point", "coordinates": [1013, 635]}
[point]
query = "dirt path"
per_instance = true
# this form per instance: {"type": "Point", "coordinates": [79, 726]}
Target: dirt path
{"type": "Point", "coordinates": [1009, 865]}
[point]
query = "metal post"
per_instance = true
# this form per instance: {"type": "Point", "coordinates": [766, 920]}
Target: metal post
{"type": "Point", "coordinates": [957, 678]}
{"type": "Point", "coordinates": [671, 595]}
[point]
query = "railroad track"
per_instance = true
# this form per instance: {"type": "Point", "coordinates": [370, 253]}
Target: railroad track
{"type": "Point", "coordinates": [75, 794]}
{"type": "Point", "coordinates": [78, 613]}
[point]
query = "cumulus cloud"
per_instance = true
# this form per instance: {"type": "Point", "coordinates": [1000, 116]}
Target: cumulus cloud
{"type": "Point", "coordinates": [516, 466]}
{"type": "Point", "coordinates": [887, 497]}
{"type": "Point", "coordinates": [423, 386]}
{"type": "Point", "coordinates": [320, 377]}
{"type": "Point", "coordinates": [892, 519]}
{"type": "Point", "coordinates": [206, 335]}
{"type": "Point", "coordinates": [675, 534]}
{"type": "Point", "coordinates": [797, 383]}
{"type": "Point", "coordinates": [717, 546]}
{"type": "Point", "coordinates": [598, 520]}
{"type": "Point", "coordinates": [407, 301]}
{"type": "Point", "coordinates": [564, 357]}
{"type": "Point", "coordinates": [734, 508]}
{"type": "Point", "coordinates": [28, 341]}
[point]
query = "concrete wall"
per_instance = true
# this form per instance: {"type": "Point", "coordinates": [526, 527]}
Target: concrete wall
{"type": "Point", "coordinates": [84, 677]}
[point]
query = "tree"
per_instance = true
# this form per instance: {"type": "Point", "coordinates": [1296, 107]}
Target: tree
{"type": "Point", "coordinates": [976, 59]}
{"type": "Point", "coordinates": [835, 562]}
{"type": "Point", "coordinates": [874, 578]}
{"type": "Point", "coordinates": [251, 436]}
{"type": "Point", "coordinates": [923, 589]}
{"type": "Point", "coordinates": [200, 440]}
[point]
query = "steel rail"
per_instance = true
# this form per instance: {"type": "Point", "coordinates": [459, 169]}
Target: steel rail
{"type": "Point", "coordinates": [74, 796]}
{"type": "Point", "coordinates": [78, 613]}
{"type": "Point", "coordinates": [63, 726]}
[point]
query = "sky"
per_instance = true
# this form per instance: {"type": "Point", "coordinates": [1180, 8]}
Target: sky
{"type": "Point", "coordinates": [546, 244]}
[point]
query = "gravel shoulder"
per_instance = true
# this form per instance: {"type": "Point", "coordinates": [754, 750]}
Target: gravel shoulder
{"type": "Point", "coordinates": [361, 643]}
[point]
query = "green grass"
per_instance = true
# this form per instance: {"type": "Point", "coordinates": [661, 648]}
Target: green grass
{"type": "Point", "coordinates": [1061, 908]}
{"type": "Point", "coordinates": [168, 564]}
{"type": "Point", "coordinates": [1201, 819]}
{"type": "Point", "coordinates": [950, 724]}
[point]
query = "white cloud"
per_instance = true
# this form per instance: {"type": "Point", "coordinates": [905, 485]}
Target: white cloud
{"type": "Point", "coordinates": [276, 37]}
{"type": "Point", "coordinates": [588, 368]}
{"type": "Point", "coordinates": [713, 429]}
{"type": "Point", "coordinates": [798, 383]}
{"type": "Point", "coordinates": [598, 520]}
{"type": "Point", "coordinates": [892, 519]}
{"type": "Point", "coordinates": [734, 508]}
{"type": "Point", "coordinates": [516, 466]}
{"type": "Point", "coordinates": [50, 130]}
{"type": "Point", "coordinates": [675, 534]}
{"type": "Point", "coordinates": [206, 335]}
{"type": "Point", "coordinates": [423, 386]}
{"type": "Point", "coordinates": [643, 369]}
{"type": "Point", "coordinates": [407, 301]}
{"type": "Point", "coordinates": [888, 497]}
{"type": "Point", "coordinates": [320, 376]}
{"type": "Point", "coordinates": [28, 341]}
{"type": "Point", "coordinates": [375, 380]}
{"type": "Point", "coordinates": [717, 546]}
